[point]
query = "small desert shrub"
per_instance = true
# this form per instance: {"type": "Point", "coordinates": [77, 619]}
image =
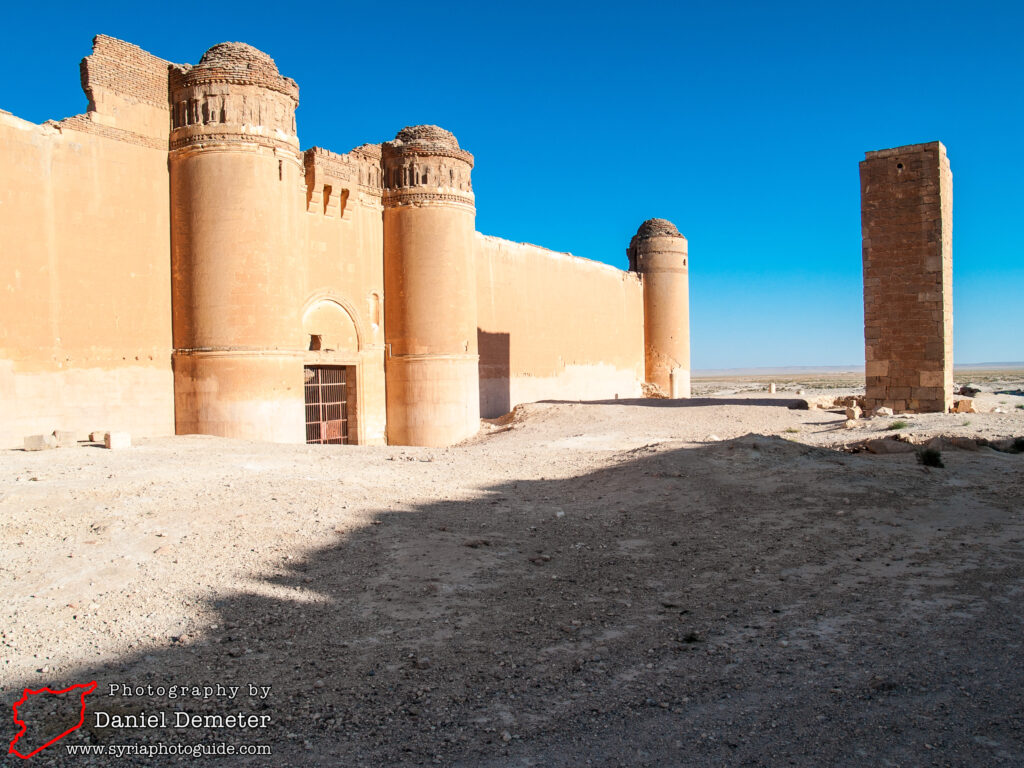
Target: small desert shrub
{"type": "Point", "coordinates": [931, 457]}
{"type": "Point", "coordinates": [965, 423]}
{"type": "Point", "coordinates": [1021, 407]}
{"type": "Point", "coordinates": [898, 425]}
{"type": "Point", "coordinates": [791, 430]}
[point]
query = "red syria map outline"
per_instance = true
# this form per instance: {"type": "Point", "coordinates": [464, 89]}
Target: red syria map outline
{"type": "Point", "coordinates": [88, 688]}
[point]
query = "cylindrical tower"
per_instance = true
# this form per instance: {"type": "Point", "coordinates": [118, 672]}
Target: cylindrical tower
{"type": "Point", "coordinates": [430, 315]}
{"type": "Point", "coordinates": [658, 253]}
{"type": "Point", "coordinates": [235, 177]}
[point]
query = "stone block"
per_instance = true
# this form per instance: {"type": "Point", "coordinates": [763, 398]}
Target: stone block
{"type": "Point", "coordinates": [883, 411]}
{"type": "Point", "coordinates": [877, 368]}
{"type": "Point", "coordinates": [964, 406]}
{"type": "Point", "coordinates": [117, 441]}
{"type": "Point", "coordinates": [887, 446]}
{"type": "Point", "coordinates": [65, 437]}
{"type": "Point", "coordinates": [853, 412]}
{"type": "Point", "coordinates": [40, 442]}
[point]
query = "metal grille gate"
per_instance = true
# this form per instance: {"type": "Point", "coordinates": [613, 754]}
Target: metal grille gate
{"type": "Point", "coordinates": [326, 404]}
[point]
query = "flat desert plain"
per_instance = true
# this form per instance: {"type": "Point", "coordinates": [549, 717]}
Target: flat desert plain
{"type": "Point", "coordinates": [716, 581]}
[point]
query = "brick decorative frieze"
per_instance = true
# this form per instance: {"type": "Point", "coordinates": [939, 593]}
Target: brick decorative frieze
{"type": "Point", "coordinates": [234, 93]}
{"type": "Point", "coordinates": [424, 164]}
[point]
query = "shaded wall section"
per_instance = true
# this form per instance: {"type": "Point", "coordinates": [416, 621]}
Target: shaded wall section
{"type": "Point", "coordinates": [85, 314]}
{"type": "Point", "coordinates": [553, 326]}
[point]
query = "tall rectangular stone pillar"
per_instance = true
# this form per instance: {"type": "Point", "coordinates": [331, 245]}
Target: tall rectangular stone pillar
{"type": "Point", "coordinates": [907, 221]}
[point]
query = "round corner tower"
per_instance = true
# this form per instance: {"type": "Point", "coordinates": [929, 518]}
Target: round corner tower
{"type": "Point", "coordinates": [430, 323]}
{"type": "Point", "coordinates": [234, 174]}
{"type": "Point", "coordinates": [658, 253]}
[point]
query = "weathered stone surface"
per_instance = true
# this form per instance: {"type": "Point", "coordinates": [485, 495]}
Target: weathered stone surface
{"type": "Point", "coordinates": [964, 406]}
{"type": "Point", "coordinates": [850, 424]}
{"type": "Point", "coordinates": [964, 443]}
{"type": "Point", "coordinates": [887, 446]}
{"type": "Point", "coordinates": [40, 442]}
{"type": "Point", "coordinates": [65, 437]}
{"type": "Point", "coordinates": [853, 412]}
{"type": "Point", "coordinates": [906, 218]}
{"type": "Point", "coordinates": [883, 411]}
{"type": "Point", "coordinates": [117, 441]}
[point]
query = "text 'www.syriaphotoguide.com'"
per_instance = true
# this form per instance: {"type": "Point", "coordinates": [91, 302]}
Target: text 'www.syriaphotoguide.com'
{"type": "Point", "coordinates": [218, 749]}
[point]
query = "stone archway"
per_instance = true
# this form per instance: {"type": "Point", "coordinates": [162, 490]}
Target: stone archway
{"type": "Point", "coordinates": [332, 370]}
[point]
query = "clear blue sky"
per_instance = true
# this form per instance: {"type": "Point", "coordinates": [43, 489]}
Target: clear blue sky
{"type": "Point", "coordinates": [743, 123]}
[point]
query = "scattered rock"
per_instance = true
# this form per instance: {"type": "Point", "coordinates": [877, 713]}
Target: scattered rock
{"type": "Point", "coordinates": [964, 443]}
{"type": "Point", "coordinates": [117, 441]}
{"type": "Point", "coordinates": [853, 412]}
{"type": "Point", "coordinates": [850, 424]}
{"type": "Point", "coordinates": [884, 411]}
{"type": "Point", "coordinates": [888, 446]}
{"type": "Point", "coordinates": [40, 442]}
{"type": "Point", "coordinates": [963, 406]}
{"type": "Point", "coordinates": [712, 438]}
{"type": "Point", "coordinates": [968, 391]}
{"type": "Point", "coordinates": [64, 437]}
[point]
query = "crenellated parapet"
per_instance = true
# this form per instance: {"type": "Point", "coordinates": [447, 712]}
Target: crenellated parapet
{"type": "Point", "coordinates": [367, 158]}
{"type": "Point", "coordinates": [424, 165]}
{"type": "Point", "coordinates": [329, 180]}
{"type": "Point", "coordinates": [234, 94]}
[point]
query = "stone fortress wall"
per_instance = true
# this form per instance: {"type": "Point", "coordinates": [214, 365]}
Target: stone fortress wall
{"type": "Point", "coordinates": [85, 312]}
{"type": "Point", "coordinates": [172, 262]}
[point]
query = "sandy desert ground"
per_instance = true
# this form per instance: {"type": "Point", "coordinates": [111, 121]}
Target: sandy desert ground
{"type": "Point", "coordinates": [631, 583]}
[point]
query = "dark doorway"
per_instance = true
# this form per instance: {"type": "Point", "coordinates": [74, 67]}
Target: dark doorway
{"type": "Point", "coordinates": [495, 372]}
{"type": "Point", "coordinates": [326, 404]}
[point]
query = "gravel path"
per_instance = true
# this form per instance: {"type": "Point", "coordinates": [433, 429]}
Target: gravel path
{"type": "Point", "coordinates": [628, 583]}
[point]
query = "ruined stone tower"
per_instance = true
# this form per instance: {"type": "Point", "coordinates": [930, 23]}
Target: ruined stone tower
{"type": "Point", "coordinates": [907, 218]}
{"type": "Point", "coordinates": [658, 253]}
{"type": "Point", "coordinates": [234, 175]}
{"type": "Point", "coordinates": [430, 317]}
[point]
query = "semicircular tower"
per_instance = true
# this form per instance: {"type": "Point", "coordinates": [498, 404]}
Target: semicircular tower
{"type": "Point", "coordinates": [658, 253]}
{"type": "Point", "coordinates": [430, 316]}
{"type": "Point", "coordinates": [234, 172]}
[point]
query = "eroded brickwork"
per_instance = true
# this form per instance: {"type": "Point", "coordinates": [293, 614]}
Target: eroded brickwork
{"type": "Point", "coordinates": [123, 68]}
{"type": "Point", "coordinates": [907, 217]}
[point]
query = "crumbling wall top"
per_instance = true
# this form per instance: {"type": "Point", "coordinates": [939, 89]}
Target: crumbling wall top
{"type": "Point", "coordinates": [241, 64]}
{"type": "Point", "coordinates": [656, 228]}
{"type": "Point", "coordinates": [427, 140]}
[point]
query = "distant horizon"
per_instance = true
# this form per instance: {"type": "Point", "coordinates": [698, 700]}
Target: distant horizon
{"type": "Point", "coordinates": [852, 368]}
{"type": "Point", "coordinates": [743, 123]}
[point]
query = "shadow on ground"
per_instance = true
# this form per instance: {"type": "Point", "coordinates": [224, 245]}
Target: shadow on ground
{"type": "Point", "coordinates": [753, 602]}
{"type": "Point", "coordinates": [689, 402]}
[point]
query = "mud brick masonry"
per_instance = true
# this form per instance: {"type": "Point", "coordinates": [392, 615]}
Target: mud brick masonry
{"type": "Point", "coordinates": [173, 262]}
{"type": "Point", "coordinates": [907, 217]}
